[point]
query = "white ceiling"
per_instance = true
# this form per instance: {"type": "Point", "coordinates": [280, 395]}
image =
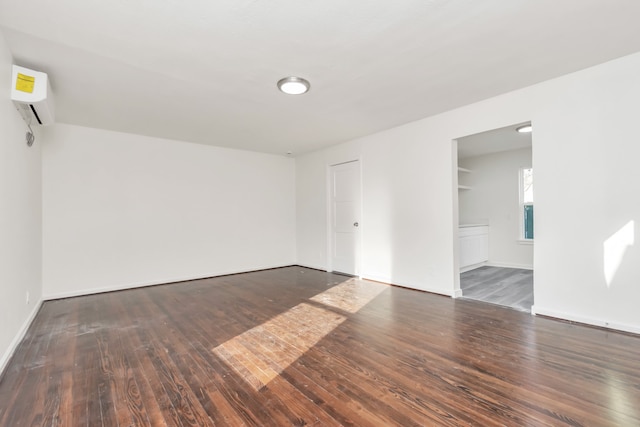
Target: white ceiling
{"type": "Point", "coordinates": [493, 141]}
{"type": "Point", "coordinates": [206, 71]}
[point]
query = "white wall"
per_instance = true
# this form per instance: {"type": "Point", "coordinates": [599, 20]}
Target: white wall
{"type": "Point", "coordinates": [494, 198]}
{"type": "Point", "coordinates": [122, 210]}
{"type": "Point", "coordinates": [397, 226]}
{"type": "Point", "coordinates": [20, 219]}
{"type": "Point", "coordinates": [585, 150]}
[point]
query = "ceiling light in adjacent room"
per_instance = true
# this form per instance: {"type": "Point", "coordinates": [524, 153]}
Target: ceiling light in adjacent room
{"type": "Point", "coordinates": [525, 129]}
{"type": "Point", "coordinates": [293, 85]}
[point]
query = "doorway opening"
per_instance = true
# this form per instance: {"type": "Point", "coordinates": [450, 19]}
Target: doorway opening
{"type": "Point", "coordinates": [495, 204]}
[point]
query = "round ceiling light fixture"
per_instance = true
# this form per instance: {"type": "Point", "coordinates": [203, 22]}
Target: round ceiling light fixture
{"type": "Point", "coordinates": [525, 129]}
{"type": "Point", "coordinates": [293, 85]}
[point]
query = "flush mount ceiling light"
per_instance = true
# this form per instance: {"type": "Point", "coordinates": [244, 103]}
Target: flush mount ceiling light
{"type": "Point", "coordinates": [293, 85]}
{"type": "Point", "coordinates": [525, 129]}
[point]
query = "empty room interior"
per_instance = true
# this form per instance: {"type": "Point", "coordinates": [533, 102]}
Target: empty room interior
{"type": "Point", "coordinates": [243, 213]}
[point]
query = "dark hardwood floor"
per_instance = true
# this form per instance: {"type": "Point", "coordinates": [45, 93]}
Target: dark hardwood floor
{"type": "Point", "coordinates": [299, 347]}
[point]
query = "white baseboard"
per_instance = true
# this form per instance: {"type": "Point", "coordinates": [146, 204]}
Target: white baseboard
{"type": "Point", "coordinates": [509, 265]}
{"type": "Point", "coordinates": [536, 310]}
{"type": "Point", "coordinates": [313, 267]}
{"type": "Point", "coordinates": [122, 287]}
{"type": "Point", "coordinates": [19, 336]}
{"type": "Point", "coordinates": [472, 267]}
{"type": "Point", "coordinates": [389, 281]}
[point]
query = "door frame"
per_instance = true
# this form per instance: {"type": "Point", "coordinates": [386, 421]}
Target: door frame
{"type": "Point", "coordinates": [457, 291]}
{"type": "Point", "coordinates": [329, 214]}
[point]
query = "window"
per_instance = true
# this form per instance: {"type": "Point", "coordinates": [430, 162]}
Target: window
{"type": "Point", "coordinates": [526, 204]}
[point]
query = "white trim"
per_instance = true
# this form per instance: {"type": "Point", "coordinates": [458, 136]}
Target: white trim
{"type": "Point", "coordinates": [388, 281]}
{"type": "Point", "coordinates": [472, 267]}
{"type": "Point", "coordinates": [455, 180]}
{"type": "Point", "coordinates": [509, 265]}
{"type": "Point", "coordinates": [525, 241]}
{"type": "Point", "coordinates": [122, 287]}
{"type": "Point", "coordinates": [19, 337]}
{"type": "Point", "coordinates": [329, 212]}
{"type": "Point", "coordinates": [313, 267]}
{"type": "Point", "coordinates": [535, 310]}
{"type": "Point", "coordinates": [328, 216]}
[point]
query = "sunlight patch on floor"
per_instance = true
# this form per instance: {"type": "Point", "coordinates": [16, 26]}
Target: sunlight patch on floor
{"type": "Point", "coordinates": [351, 295]}
{"type": "Point", "coordinates": [260, 354]}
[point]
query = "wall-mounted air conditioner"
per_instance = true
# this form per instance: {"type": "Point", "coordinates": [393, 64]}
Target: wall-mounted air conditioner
{"type": "Point", "coordinates": [31, 93]}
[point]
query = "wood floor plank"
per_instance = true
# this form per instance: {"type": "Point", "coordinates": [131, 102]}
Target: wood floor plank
{"type": "Point", "coordinates": [285, 407]}
{"type": "Point", "coordinates": [296, 346]}
{"type": "Point", "coordinates": [86, 410]}
{"type": "Point", "coordinates": [313, 387]}
{"type": "Point", "coordinates": [490, 361]}
{"type": "Point", "coordinates": [26, 371]}
{"type": "Point", "coordinates": [157, 405]}
{"type": "Point", "coordinates": [173, 336]}
{"type": "Point", "coordinates": [186, 407]}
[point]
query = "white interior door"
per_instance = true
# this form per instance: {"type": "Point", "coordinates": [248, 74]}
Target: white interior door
{"type": "Point", "coordinates": [345, 218]}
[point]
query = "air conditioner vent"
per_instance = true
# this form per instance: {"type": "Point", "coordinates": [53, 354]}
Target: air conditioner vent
{"type": "Point", "coordinates": [31, 93]}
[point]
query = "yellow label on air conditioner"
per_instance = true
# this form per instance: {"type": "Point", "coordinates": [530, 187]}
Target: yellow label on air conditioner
{"type": "Point", "coordinates": [25, 83]}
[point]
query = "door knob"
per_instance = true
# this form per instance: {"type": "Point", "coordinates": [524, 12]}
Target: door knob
{"type": "Point", "coordinates": [355, 224]}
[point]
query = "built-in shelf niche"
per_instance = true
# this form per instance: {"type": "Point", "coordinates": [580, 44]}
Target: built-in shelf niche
{"type": "Point", "coordinates": [460, 186]}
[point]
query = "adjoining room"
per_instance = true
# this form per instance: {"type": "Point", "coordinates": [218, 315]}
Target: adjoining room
{"type": "Point", "coordinates": [290, 214]}
{"type": "Point", "coordinates": [496, 214]}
